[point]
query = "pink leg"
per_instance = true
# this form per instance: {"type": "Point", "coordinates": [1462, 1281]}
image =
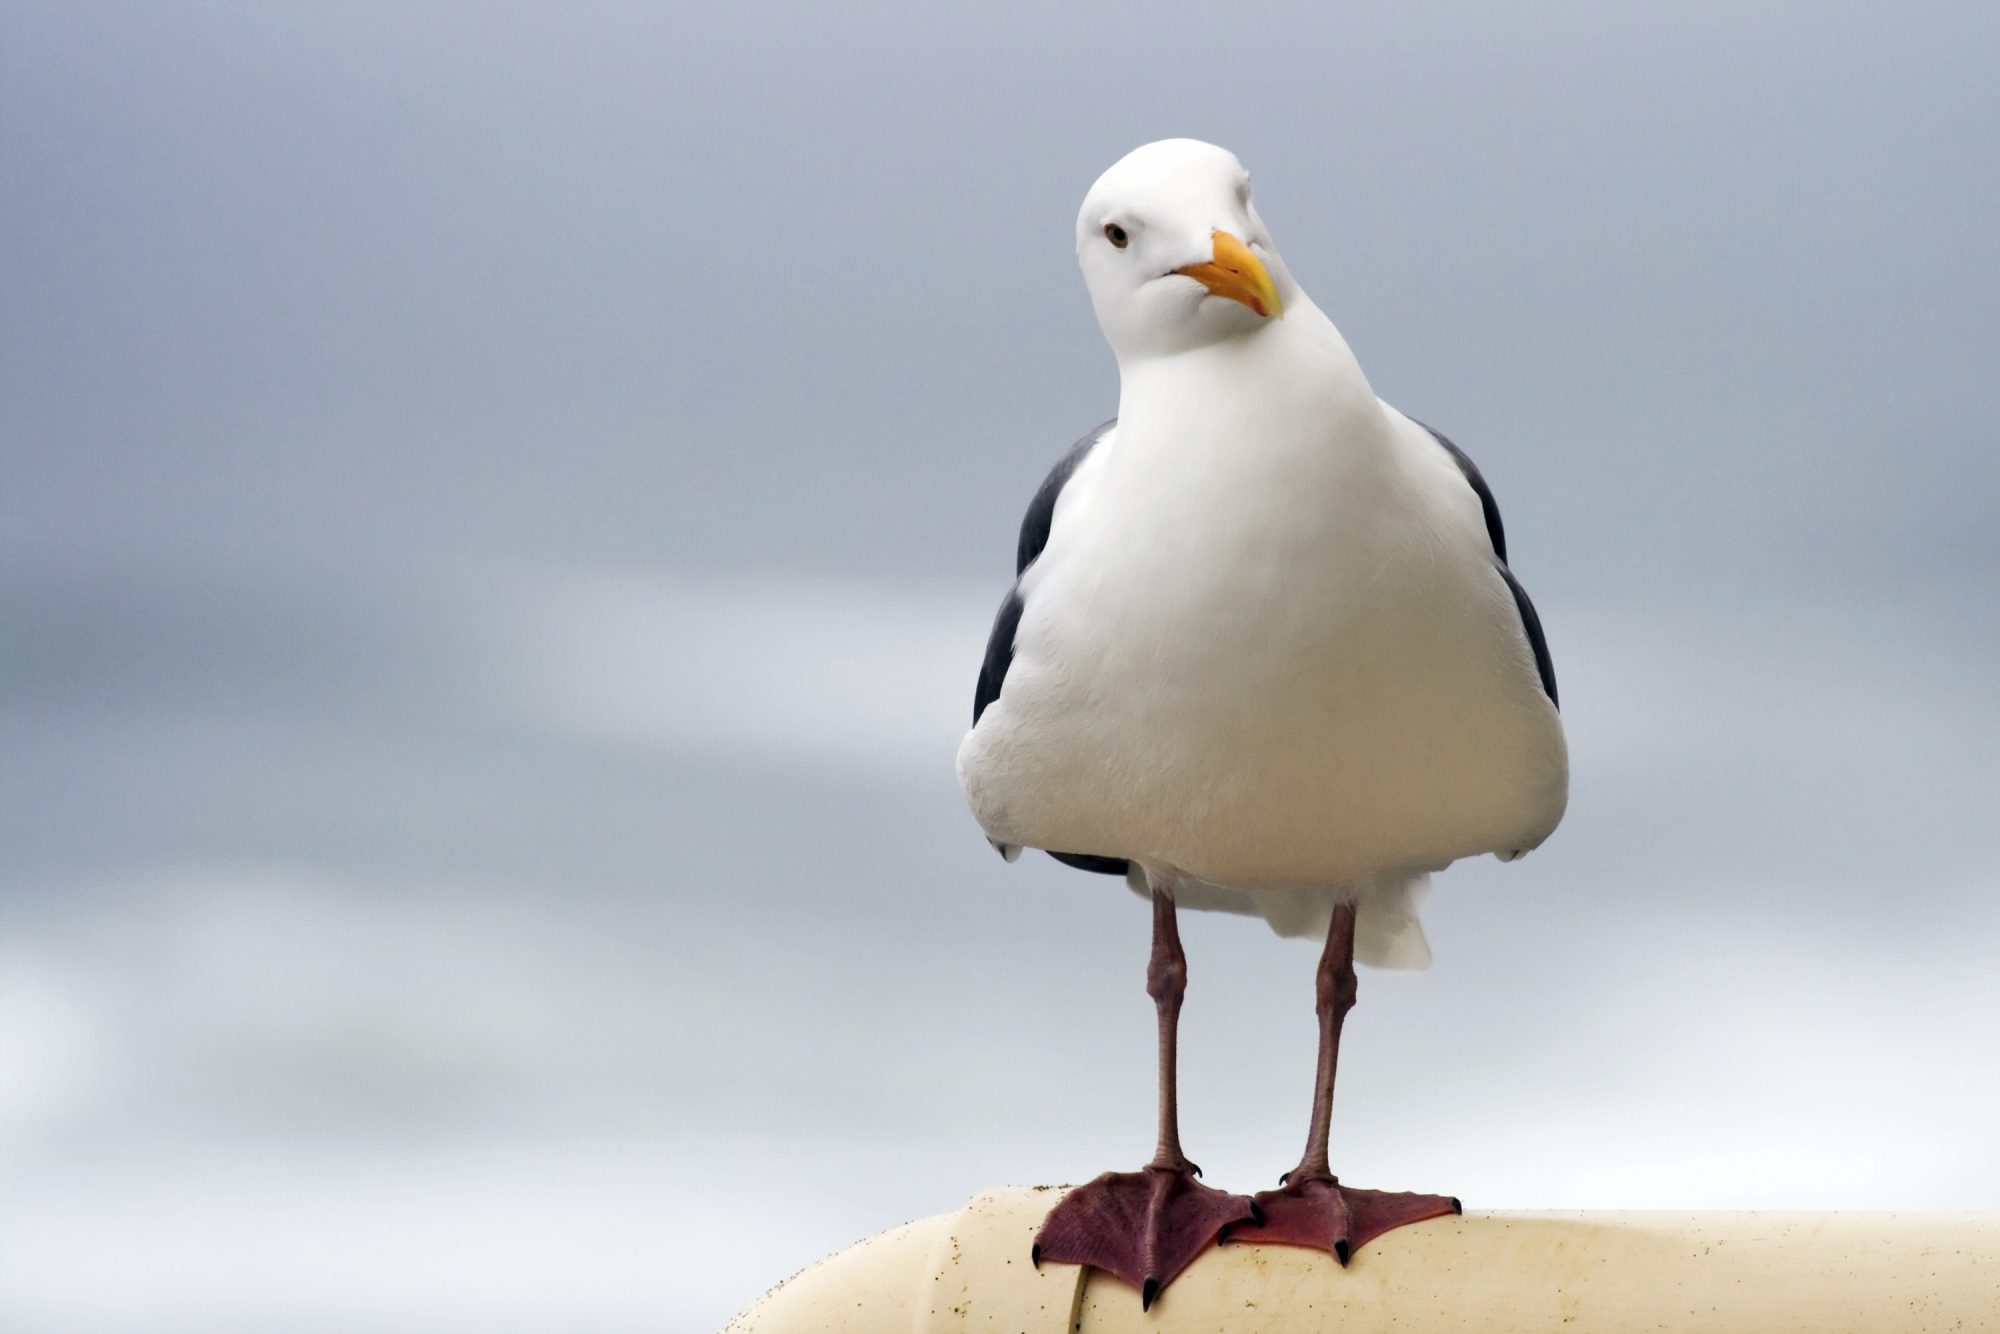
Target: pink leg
{"type": "Point", "coordinates": [1312, 1208]}
{"type": "Point", "coordinates": [1147, 1226]}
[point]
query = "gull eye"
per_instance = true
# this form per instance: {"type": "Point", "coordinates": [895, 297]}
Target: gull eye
{"type": "Point", "coordinates": [1116, 235]}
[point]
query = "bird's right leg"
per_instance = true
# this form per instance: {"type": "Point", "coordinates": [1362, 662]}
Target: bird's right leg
{"type": "Point", "coordinates": [1147, 1226]}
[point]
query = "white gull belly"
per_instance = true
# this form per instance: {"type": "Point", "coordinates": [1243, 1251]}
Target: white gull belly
{"type": "Point", "coordinates": [1266, 648]}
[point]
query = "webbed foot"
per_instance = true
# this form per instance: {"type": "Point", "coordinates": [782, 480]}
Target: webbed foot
{"type": "Point", "coordinates": [1318, 1211]}
{"type": "Point", "coordinates": [1145, 1226]}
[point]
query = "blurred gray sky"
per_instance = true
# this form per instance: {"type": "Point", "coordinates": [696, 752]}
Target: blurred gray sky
{"type": "Point", "coordinates": [500, 511]}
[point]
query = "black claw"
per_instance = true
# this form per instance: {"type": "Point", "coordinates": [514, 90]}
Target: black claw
{"type": "Point", "coordinates": [1222, 1234]}
{"type": "Point", "coordinates": [1341, 1251]}
{"type": "Point", "coordinates": [1284, 1177]}
{"type": "Point", "coordinates": [1147, 1292]}
{"type": "Point", "coordinates": [1456, 1207]}
{"type": "Point", "coordinates": [1035, 1255]}
{"type": "Point", "coordinates": [1195, 1168]}
{"type": "Point", "coordinates": [1256, 1214]}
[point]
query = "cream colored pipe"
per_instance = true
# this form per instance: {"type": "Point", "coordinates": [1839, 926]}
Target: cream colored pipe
{"type": "Point", "coordinates": [1752, 1273]}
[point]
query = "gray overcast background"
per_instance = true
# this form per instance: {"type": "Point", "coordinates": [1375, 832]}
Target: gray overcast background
{"type": "Point", "coordinates": [501, 509]}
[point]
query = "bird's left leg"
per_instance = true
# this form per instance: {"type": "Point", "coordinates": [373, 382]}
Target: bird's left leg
{"type": "Point", "coordinates": [1147, 1226]}
{"type": "Point", "coordinates": [1312, 1208]}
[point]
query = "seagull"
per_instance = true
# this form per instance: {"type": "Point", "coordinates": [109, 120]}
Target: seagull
{"type": "Point", "coordinates": [1264, 654]}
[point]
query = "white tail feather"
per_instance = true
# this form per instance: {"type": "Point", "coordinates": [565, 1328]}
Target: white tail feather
{"type": "Point", "coordinates": [1388, 931]}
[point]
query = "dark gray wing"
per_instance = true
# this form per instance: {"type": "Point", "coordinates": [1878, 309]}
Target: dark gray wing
{"type": "Point", "coordinates": [1495, 531]}
{"type": "Point", "coordinates": [1531, 622]}
{"type": "Point", "coordinates": [1041, 515]}
{"type": "Point", "coordinates": [1035, 525]}
{"type": "Point", "coordinates": [999, 654]}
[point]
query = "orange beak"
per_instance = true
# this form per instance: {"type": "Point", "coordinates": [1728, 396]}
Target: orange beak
{"type": "Point", "coordinates": [1238, 275]}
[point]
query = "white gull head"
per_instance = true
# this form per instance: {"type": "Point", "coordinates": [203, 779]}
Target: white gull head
{"type": "Point", "coordinates": [1174, 254]}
